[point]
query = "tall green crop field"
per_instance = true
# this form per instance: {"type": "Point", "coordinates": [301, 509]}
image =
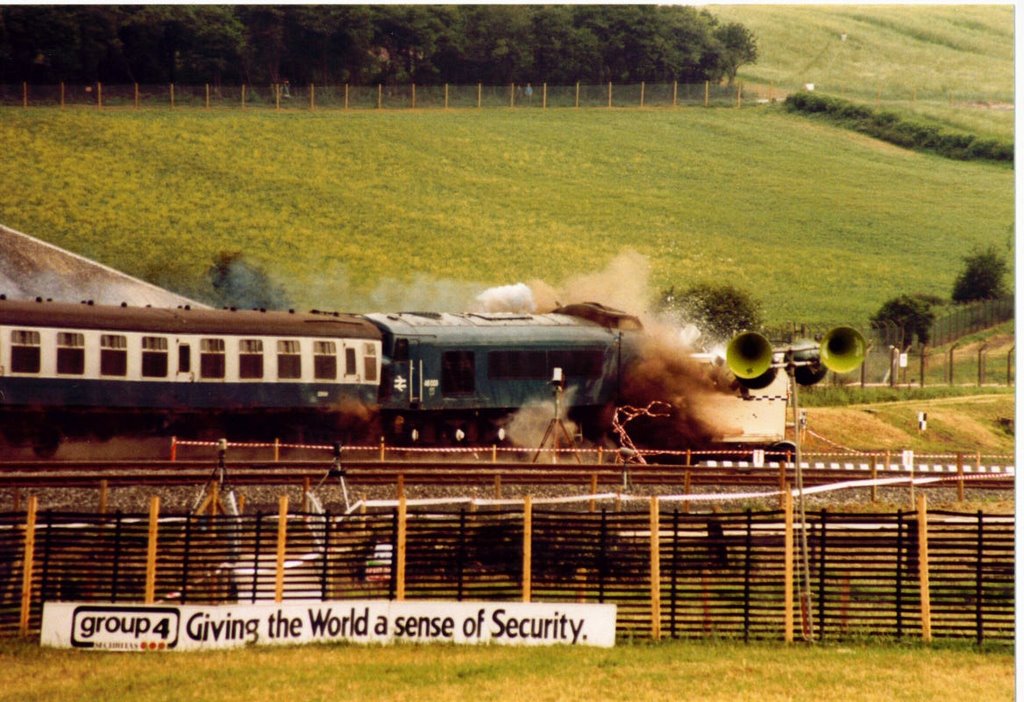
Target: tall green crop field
{"type": "Point", "coordinates": [358, 210]}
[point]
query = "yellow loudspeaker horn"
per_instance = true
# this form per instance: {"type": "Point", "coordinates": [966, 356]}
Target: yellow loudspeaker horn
{"type": "Point", "coordinates": [843, 349]}
{"type": "Point", "coordinates": [749, 355]}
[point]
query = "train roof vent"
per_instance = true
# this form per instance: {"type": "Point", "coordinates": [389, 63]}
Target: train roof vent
{"type": "Point", "coordinates": [599, 314]}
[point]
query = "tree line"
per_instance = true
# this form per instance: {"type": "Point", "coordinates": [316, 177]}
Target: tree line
{"type": "Point", "coordinates": [362, 44]}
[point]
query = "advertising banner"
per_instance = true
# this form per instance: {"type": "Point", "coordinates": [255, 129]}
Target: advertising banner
{"type": "Point", "coordinates": [130, 627]}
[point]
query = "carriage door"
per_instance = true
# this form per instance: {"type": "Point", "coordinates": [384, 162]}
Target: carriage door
{"type": "Point", "coordinates": [183, 370]}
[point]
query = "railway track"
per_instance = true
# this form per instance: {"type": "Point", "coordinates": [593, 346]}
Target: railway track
{"type": "Point", "coordinates": [163, 473]}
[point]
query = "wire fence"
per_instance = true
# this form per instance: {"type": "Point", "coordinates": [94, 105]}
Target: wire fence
{"type": "Point", "coordinates": [670, 573]}
{"type": "Point", "coordinates": [281, 96]}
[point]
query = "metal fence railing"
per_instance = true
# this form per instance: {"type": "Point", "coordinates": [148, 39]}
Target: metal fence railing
{"type": "Point", "coordinates": [670, 573]}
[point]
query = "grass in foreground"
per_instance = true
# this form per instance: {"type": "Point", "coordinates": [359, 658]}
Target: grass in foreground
{"type": "Point", "coordinates": [705, 671]}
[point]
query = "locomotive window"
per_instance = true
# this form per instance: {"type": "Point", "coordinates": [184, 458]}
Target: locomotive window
{"type": "Point", "coordinates": [154, 357]}
{"type": "Point", "coordinates": [458, 373]}
{"type": "Point", "coordinates": [325, 360]}
{"type": "Point", "coordinates": [401, 352]}
{"type": "Point", "coordinates": [113, 355]}
{"type": "Point", "coordinates": [350, 361]}
{"type": "Point", "coordinates": [70, 353]}
{"type": "Point", "coordinates": [289, 362]}
{"type": "Point", "coordinates": [250, 358]}
{"type": "Point", "coordinates": [516, 365]}
{"type": "Point", "coordinates": [370, 363]}
{"type": "Point", "coordinates": [211, 358]}
{"type": "Point", "coordinates": [24, 351]}
{"type": "Point", "coordinates": [583, 363]}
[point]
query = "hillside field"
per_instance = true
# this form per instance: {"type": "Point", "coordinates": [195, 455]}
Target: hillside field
{"type": "Point", "coordinates": [382, 210]}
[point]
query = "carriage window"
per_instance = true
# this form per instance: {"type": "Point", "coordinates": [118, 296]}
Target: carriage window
{"type": "Point", "coordinates": [370, 363]}
{"type": "Point", "coordinates": [458, 373]}
{"type": "Point", "coordinates": [289, 362]}
{"type": "Point", "coordinates": [350, 362]}
{"type": "Point", "coordinates": [184, 358]}
{"type": "Point", "coordinates": [24, 351]}
{"type": "Point", "coordinates": [211, 358]}
{"type": "Point", "coordinates": [154, 357]}
{"type": "Point", "coordinates": [325, 360]}
{"type": "Point", "coordinates": [70, 353]}
{"type": "Point", "coordinates": [250, 358]}
{"type": "Point", "coordinates": [113, 355]}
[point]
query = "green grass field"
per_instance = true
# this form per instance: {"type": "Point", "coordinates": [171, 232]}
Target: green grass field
{"type": "Point", "coordinates": [388, 210]}
{"type": "Point", "coordinates": [700, 671]}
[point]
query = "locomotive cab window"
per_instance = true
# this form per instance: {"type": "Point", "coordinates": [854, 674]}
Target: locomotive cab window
{"type": "Point", "coordinates": [113, 355]}
{"type": "Point", "coordinates": [289, 362]}
{"type": "Point", "coordinates": [154, 357]}
{"type": "Point", "coordinates": [250, 359]}
{"type": "Point", "coordinates": [24, 351]}
{"type": "Point", "coordinates": [458, 373]}
{"type": "Point", "coordinates": [70, 353]}
{"type": "Point", "coordinates": [325, 360]}
{"type": "Point", "coordinates": [211, 358]}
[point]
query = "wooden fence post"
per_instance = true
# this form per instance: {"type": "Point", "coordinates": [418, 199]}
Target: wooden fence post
{"type": "Point", "coordinates": [24, 93]}
{"type": "Point", "coordinates": [380, 96]}
{"type": "Point", "coordinates": [609, 93]}
{"type": "Point", "coordinates": [577, 95]}
{"type": "Point", "coordinates": [479, 95]}
{"type": "Point", "coordinates": [787, 585]}
{"type": "Point", "coordinates": [172, 96]}
{"type": "Point", "coordinates": [312, 97]}
{"type": "Point", "coordinates": [207, 91]}
{"type": "Point", "coordinates": [643, 86]}
{"type": "Point", "coordinates": [400, 556]}
{"type": "Point", "coordinates": [675, 93]}
{"type": "Point", "coordinates": [414, 96]}
{"type": "Point", "coordinates": [446, 96]}
{"type": "Point", "coordinates": [707, 93]}
{"type": "Point", "coordinates": [99, 96]}
{"type": "Point", "coordinates": [922, 545]}
{"type": "Point", "coordinates": [28, 556]}
{"type": "Point", "coordinates": [154, 527]}
{"type": "Point", "coordinates": [282, 542]}
{"type": "Point", "coordinates": [527, 548]}
{"type": "Point", "coordinates": [544, 95]}
{"type": "Point", "coordinates": [960, 477]}
{"type": "Point", "coordinates": [62, 90]}
{"type": "Point", "coordinates": [346, 96]}
{"type": "Point", "coordinates": [655, 524]}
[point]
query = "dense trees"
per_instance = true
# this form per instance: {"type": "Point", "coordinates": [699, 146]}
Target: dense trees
{"type": "Point", "coordinates": [558, 44]}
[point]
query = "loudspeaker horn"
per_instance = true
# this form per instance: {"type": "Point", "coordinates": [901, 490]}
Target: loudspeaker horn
{"type": "Point", "coordinates": [749, 355]}
{"type": "Point", "coordinates": [843, 349]}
